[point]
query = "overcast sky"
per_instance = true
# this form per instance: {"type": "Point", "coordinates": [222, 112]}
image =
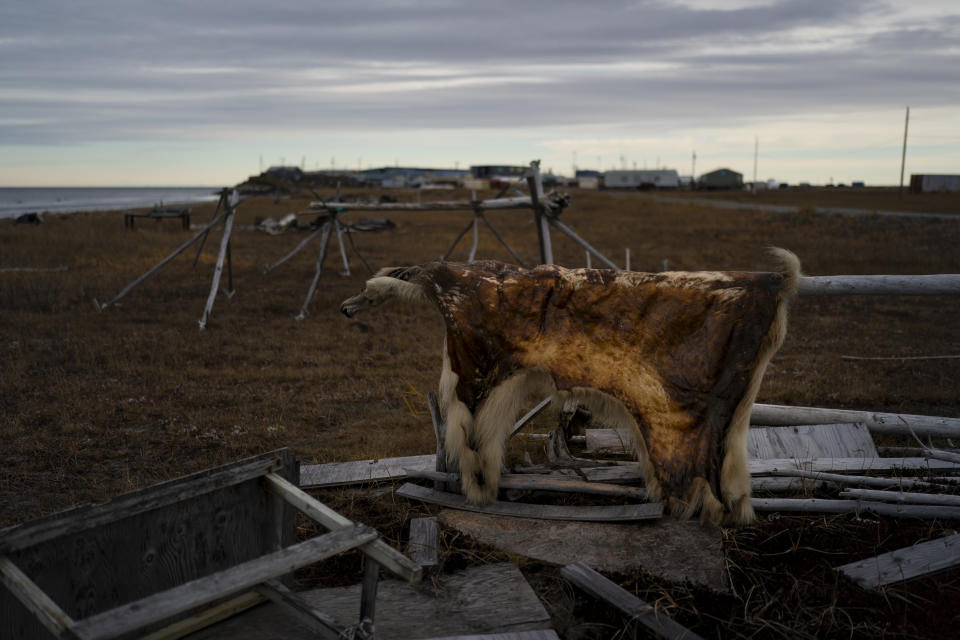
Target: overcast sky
{"type": "Point", "coordinates": [126, 92]}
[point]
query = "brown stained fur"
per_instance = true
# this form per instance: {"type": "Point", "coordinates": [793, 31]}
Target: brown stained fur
{"type": "Point", "coordinates": [677, 356]}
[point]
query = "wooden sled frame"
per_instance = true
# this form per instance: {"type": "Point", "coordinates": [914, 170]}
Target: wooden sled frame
{"type": "Point", "coordinates": [71, 556]}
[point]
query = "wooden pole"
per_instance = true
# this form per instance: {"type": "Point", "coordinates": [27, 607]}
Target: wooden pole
{"type": "Point", "coordinates": [218, 271]}
{"type": "Point", "coordinates": [324, 242]}
{"type": "Point", "coordinates": [343, 249]}
{"type": "Point", "coordinates": [497, 235]}
{"type": "Point", "coordinates": [160, 264]}
{"type": "Point", "coordinates": [583, 243]}
{"type": "Point", "coordinates": [476, 238]}
{"type": "Point", "coordinates": [946, 284]}
{"type": "Point", "coordinates": [535, 184]}
{"type": "Point", "coordinates": [903, 156]}
{"type": "Point", "coordinates": [770, 415]}
{"type": "Point", "coordinates": [300, 246]}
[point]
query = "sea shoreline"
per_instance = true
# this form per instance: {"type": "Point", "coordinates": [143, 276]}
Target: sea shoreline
{"type": "Point", "coordinates": [16, 201]}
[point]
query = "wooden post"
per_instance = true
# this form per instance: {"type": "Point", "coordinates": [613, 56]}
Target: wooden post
{"type": "Point", "coordinates": [224, 243]}
{"type": "Point", "coordinates": [324, 242]}
{"type": "Point", "coordinates": [156, 267]}
{"type": "Point", "coordinates": [535, 184]}
{"type": "Point", "coordinates": [368, 593]}
{"type": "Point", "coordinates": [343, 249]}
{"type": "Point", "coordinates": [476, 237]}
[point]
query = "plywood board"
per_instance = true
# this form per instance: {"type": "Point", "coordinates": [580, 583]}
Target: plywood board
{"type": "Point", "coordinates": [490, 599]}
{"type": "Point", "coordinates": [673, 549]}
{"type": "Point", "coordinates": [338, 474]}
{"type": "Point", "coordinates": [905, 564]}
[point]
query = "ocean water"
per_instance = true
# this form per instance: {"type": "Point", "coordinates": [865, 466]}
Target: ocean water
{"type": "Point", "coordinates": [15, 201]}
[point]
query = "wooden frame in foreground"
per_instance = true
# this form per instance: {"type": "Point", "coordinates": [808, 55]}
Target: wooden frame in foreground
{"type": "Point", "coordinates": [189, 552]}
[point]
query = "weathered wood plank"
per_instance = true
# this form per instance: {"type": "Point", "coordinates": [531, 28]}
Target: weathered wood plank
{"type": "Point", "coordinates": [845, 440]}
{"type": "Point", "coordinates": [33, 598]}
{"type": "Point", "coordinates": [848, 440]}
{"type": "Point", "coordinates": [902, 497]}
{"type": "Point", "coordinates": [486, 599]}
{"type": "Point", "coordinates": [319, 622]}
{"type": "Point", "coordinates": [424, 538]}
{"type": "Point", "coordinates": [896, 423]}
{"type": "Point", "coordinates": [940, 284]}
{"type": "Point", "coordinates": [841, 479]}
{"type": "Point", "coordinates": [767, 467]}
{"type": "Point", "coordinates": [541, 634]}
{"type": "Point", "coordinates": [660, 624]}
{"type": "Point", "coordinates": [135, 615]}
{"type": "Point", "coordinates": [151, 540]}
{"type": "Point", "coordinates": [685, 550]}
{"type": "Point", "coordinates": [814, 505]}
{"type": "Point", "coordinates": [207, 617]}
{"type": "Point", "coordinates": [390, 558]}
{"type": "Point", "coordinates": [530, 482]}
{"type": "Point", "coordinates": [136, 502]}
{"type": "Point", "coordinates": [616, 513]}
{"type": "Point", "coordinates": [336, 474]}
{"type": "Point", "coordinates": [905, 564]}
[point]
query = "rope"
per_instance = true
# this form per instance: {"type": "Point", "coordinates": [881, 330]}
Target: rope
{"type": "Point", "coordinates": [363, 630]}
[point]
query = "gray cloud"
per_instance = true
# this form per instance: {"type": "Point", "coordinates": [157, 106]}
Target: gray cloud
{"type": "Point", "coordinates": [112, 70]}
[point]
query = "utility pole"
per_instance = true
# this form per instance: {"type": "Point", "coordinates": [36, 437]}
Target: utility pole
{"type": "Point", "coordinates": [693, 171]}
{"type": "Point", "coordinates": [903, 156]}
{"type": "Point", "coordinates": [756, 145]}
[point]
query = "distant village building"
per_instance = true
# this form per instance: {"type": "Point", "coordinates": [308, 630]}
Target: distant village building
{"type": "Point", "coordinates": [485, 176]}
{"type": "Point", "coordinates": [932, 183]}
{"type": "Point", "coordinates": [290, 174]}
{"type": "Point", "coordinates": [721, 179]}
{"type": "Point", "coordinates": [641, 179]}
{"type": "Point", "coordinates": [587, 178]}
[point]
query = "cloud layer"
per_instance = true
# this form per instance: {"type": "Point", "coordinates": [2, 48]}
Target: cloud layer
{"type": "Point", "coordinates": [237, 73]}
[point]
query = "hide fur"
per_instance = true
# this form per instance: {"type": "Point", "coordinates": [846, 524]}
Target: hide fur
{"type": "Point", "coordinates": [677, 356]}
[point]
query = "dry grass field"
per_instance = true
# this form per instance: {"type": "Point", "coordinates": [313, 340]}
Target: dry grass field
{"type": "Point", "coordinates": [93, 404]}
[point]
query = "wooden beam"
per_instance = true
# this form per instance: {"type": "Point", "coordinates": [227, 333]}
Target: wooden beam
{"type": "Point", "coordinates": [773, 466]}
{"type": "Point", "coordinates": [616, 513]}
{"type": "Point", "coordinates": [530, 482]}
{"type": "Point", "coordinates": [771, 415]}
{"type": "Point", "coordinates": [947, 284]}
{"type": "Point", "coordinates": [46, 611]}
{"type": "Point", "coordinates": [136, 615]}
{"type": "Point", "coordinates": [867, 481]}
{"type": "Point", "coordinates": [319, 622]}
{"type": "Point", "coordinates": [598, 586]}
{"type": "Point", "coordinates": [811, 441]}
{"type": "Point", "coordinates": [814, 505]}
{"type": "Point", "coordinates": [390, 558]}
{"type": "Point", "coordinates": [338, 474]}
{"type": "Point", "coordinates": [905, 564]}
{"type": "Point", "coordinates": [207, 617]}
{"type": "Point", "coordinates": [902, 497]}
{"type": "Point", "coordinates": [224, 250]}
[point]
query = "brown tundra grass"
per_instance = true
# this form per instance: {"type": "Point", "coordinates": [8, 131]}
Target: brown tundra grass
{"type": "Point", "coordinates": [93, 404]}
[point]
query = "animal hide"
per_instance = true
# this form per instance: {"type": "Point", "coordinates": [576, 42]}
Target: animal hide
{"type": "Point", "coordinates": [677, 356]}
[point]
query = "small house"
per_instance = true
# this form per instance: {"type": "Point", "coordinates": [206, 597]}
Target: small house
{"type": "Point", "coordinates": [721, 179]}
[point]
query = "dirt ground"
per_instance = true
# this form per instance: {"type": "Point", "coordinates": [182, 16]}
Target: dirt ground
{"type": "Point", "coordinates": [96, 403]}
